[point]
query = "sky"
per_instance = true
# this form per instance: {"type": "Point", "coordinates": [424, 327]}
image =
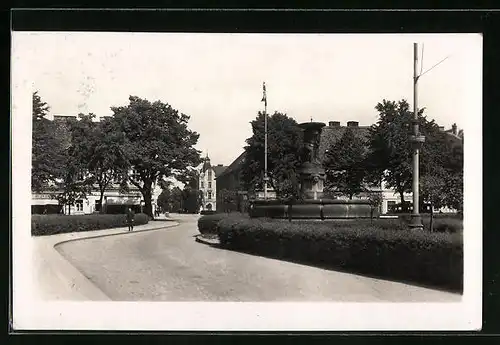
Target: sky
{"type": "Point", "coordinates": [217, 79]}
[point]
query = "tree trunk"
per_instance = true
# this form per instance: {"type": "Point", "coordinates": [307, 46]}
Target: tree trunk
{"type": "Point", "coordinates": [100, 202]}
{"type": "Point", "coordinates": [402, 197]}
{"type": "Point", "coordinates": [431, 225]}
{"type": "Point", "coordinates": [148, 208]}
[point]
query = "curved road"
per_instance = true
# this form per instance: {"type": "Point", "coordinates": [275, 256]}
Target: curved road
{"type": "Point", "coordinates": [169, 265]}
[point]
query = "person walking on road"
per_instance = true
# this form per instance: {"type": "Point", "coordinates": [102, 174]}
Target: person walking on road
{"type": "Point", "coordinates": [130, 219]}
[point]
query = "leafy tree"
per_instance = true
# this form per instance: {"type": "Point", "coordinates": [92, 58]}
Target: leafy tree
{"type": "Point", "coordinates": [46, 147]}
{"type": "Point", "coordinates": [454, 197]}
{"type": "Point", "coordinates": [98, 147]}
{"type": "Point", "coordinates": [171, 199]}
{"type": "Point", "coordinates": [73, 180]}
{"type": "Point", "coordinates": [191, 199]}
{"type": "Point", "coordinates": [284, 155]}
{"type": "Point", "coordinates": [165, 199]}
{"type": "Point", "coordinates": [40, 108]}
{"type": "Point", "coordinates": [390, 155]}
{"type": "Point", "coordinates": [344, 165]}
{"type": "Point", "coordinates": [157, 143]}
{"type": "Point", "coordinates": [228, 198]}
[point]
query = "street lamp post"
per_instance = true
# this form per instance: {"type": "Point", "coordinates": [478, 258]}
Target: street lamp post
{"type": "Point", "coordinates": [416, 140]}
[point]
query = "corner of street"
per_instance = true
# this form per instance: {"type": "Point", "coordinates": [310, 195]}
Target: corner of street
{"type": "Point", "coordinates": [178, 265]}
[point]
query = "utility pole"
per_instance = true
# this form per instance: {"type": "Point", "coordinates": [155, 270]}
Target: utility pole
{"type": "Point", "coordinates": [264, 99]}
{"type": "Point", "coordinates": [416, 140]}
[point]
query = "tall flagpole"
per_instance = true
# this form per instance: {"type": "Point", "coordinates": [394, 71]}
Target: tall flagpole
{"type": "Point", "coordinates": [264, 99]}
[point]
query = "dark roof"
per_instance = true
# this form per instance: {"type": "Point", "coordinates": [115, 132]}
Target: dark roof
{"type": "Point", "coordinates": [206, 165]}
{"type": "Point", "coordinates": [219, 169]}
{"type": "Point", "coordinates": [235, 165]}
{"type": "Point", "coordinates": [330, 135]}
{"type": "Point", "coordinates": [59, 118]}
{"type": "Point", "coordinates": [457, 137]}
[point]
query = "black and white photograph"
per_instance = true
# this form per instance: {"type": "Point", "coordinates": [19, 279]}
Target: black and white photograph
{"type": "Point", "coordinates": [246, 181]}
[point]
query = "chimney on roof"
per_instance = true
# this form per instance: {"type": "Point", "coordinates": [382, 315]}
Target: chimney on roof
{"type": "Point", "coordinates": [352, 123]}
{"type": "Point", "coordinates": [454, 128]}
{"type": "Point", "coordinates": [334, 124]}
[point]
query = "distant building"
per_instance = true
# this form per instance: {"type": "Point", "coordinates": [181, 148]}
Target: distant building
{"type": "Point", "coordinates": [113, 201]}
{"type": "Point", "coordinates": [207, 183]}
{"type": "Point", "coordinates": [231, 179]}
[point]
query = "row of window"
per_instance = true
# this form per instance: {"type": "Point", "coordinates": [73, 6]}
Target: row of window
{"type": "Point", "coordinates": [82, 175]}
{"type": "Point", "coordinates": [203, 185]}
{"type": "Point", "coordinates": [79, 205]}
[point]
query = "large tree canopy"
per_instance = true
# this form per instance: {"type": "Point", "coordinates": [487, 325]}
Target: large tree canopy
{"type": "Point", "coordinates": [46, 147]}
{"type": "Point", "coordinates": [97, 145]}
{"type": "Point", "coordinates": [284, 155]}
{"type": "Point", "coordinates": [157, 143]}
{"type": "Point", "coordinates": [344, 165]}
{"type": "Point", "coordinates": [390, 155]}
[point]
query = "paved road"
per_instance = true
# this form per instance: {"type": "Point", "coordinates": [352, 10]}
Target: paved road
{"type": "Point", "coordinates": [168, 265]}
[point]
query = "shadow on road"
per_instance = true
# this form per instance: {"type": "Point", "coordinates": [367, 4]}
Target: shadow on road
{"type": "Point", "coordinates": [343, 267]}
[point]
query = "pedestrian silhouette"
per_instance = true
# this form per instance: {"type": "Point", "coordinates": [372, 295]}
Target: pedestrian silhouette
{"type": "Point", "coordinates": [130, 219]}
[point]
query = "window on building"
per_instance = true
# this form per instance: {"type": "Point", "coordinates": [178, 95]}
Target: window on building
{"type": "Point", "coordinates": [202, 186]}
{"type": "Point", "coordinates": [210, 174]}
{"type": "Point", "coordinates": [390, 206]}
{"type": "Point", "coordinates": [209, 184]}
{"type": "Point", "coordinates": [80, 176]}
{"type": "Point", "coordinates": [210, 195]}
{"type": "Point", "coordinates": [135, 175]}
{"type": "Point", "coordinates": [79, 205]}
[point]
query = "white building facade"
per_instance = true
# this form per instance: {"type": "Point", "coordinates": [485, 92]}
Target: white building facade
{"type": "Point", "coordinates": [113, 201]}
{"type": "Point", "coordinates": [207, 184]}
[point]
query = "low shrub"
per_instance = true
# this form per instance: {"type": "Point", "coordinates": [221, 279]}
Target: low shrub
{"type": "Point", "coordinates": [42, 225]}
{"type": "Point", "coordinates": [208, 224]}
{"type": "Point", "coordinates": [205, 212]}
{"type": "Point", "coordinates": [374, 249]}
{"type": "Point", "coordinates": [452, 223]}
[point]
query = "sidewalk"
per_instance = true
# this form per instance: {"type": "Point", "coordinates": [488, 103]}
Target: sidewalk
{"type": "Point", "coordinates": [56, 279]}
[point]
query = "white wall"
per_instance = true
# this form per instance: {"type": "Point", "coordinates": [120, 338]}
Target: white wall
{"type": "Point", "coordinates": [203, 178]}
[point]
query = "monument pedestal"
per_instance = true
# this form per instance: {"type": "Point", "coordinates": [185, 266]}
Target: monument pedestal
{"type": "Point", "coordinates": [312, 180]}
{"type": "Point", "coordinates": [312, 174]}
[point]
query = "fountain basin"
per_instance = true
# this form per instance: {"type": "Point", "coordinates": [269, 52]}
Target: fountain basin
{"type": "Point", "coordinates": [313, 209]}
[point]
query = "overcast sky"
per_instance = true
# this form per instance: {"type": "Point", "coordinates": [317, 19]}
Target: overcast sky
{"type": "Point", "coordinates": [217, 78]}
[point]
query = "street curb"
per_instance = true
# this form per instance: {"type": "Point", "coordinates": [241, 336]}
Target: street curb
{"type": "Point", "coordinates": [210, 242]}
{"type": "Point", "coordinates": [124, 232]}
{"type": "Point", "coordinates": [71, 276]}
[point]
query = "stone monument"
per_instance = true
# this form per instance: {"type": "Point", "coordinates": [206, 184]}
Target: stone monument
{"type": "Point", "coordinates": [312, 204]}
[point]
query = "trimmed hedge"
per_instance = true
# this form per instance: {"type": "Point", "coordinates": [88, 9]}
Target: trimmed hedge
{"type": "Point", "coordinates": [374, 249]}
{"type": "Point", "coordinates": [42, 225]}
{"type": "Point", "coordinates": [205, 212]}
{"type": "Point", "coordinates": [208, 224]}
{"type": "Point", "coordinates": [451, 223]}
